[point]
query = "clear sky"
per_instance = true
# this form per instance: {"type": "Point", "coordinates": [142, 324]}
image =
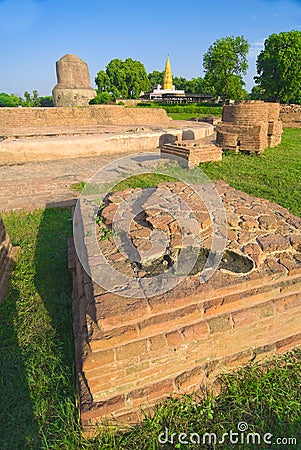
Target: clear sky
{"type": "Point", "coordinates": [34, 34]}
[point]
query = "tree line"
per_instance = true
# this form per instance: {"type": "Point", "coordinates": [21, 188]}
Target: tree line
{"type": "Point", "coordinates": [225, 64]}
{"type": "Point", "coordinates": [29, 100]}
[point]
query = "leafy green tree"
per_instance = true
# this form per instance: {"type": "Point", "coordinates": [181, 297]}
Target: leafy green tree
{"type": "Point", "coordinates": [195, 86]}
{"type": "Point", "coordinates": [278, 67]}
{"type": "Point", "coordinates": [155, 77]}
{"type": "Point", "coordinates": [27, 97]}
{"type": "Point", "coordinates": [256, 93]}
{"type": "Point", "coordinates": [35, 98]}
{"type": "Point", "coordinates": [46, 101]}
{"type": "Point", "coordinates": [123, 79]}
{"type": "Point", "coordinates": [101, 98]}
{"type": "Point", "coordinates": [225, 63]}
{"type": "Point", "coordinates": [179, 82]}
{"type": "Point", "coordinates": [12, 100]}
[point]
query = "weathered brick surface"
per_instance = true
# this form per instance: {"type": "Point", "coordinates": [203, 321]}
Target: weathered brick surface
{"type": "Point", "coordinates": [290, 116]}
{"type": "Point", "coordinates": [249, 126]}
{"type": "Point", "coordinates": [193, 152]}
{"type": "Point", "coordinates": [90, 115]}
{"type": "Point", "coordinates": [6, 260]}
{"type": "Point", "coordinates": [136, 351]}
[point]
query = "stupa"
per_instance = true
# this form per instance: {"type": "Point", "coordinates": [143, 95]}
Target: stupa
{"type": "Point", "coordinates": [168, 87]}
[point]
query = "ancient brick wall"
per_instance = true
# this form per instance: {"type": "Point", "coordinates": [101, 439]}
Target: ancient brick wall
{"type": "Point", "coordinates": [132, 352]}
{"type": "Point", "coordinates": [249, 126]}
{"type": "Point", "coordinates": [92, 115]}
{"type": "Point", "coordinates": [5, 260]}
{"type": "Point", "coordinates": [291, 116]}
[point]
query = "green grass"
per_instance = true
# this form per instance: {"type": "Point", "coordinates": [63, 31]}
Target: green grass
{"type": "Point", "coordinates": [184, 116]}
{"type": "Point", "coordinates": [274, 175]}
{"type": "Point", "coordinates": [37, 380]}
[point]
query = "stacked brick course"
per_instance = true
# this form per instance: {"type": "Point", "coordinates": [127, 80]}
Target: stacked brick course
{"type": "Point", "coordinates": [6, 260]}
{"type": "Point", "coordinates": [193, 152]}
{"type": "Point", "coordinates": [291, 116]}
{"type": "Point", "coordinates": [132, 352]}
{"type": "Point", "coordinates": [249, 126]}
{"type": "Point", "coordinates": [91, 115]}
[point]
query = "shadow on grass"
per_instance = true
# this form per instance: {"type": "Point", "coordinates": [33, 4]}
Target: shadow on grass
{"type": "Point", "coordinates": [54, 285]}
{"type": "Point", "coordinates": [37, 379]}
{"type": "Point", "coordinates": [18, 427]}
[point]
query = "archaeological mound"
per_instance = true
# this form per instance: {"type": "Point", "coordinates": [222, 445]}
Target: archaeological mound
{"type": "Point", "coordinates": [132, 352]}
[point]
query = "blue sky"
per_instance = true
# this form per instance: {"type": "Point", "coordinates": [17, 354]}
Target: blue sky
{"type": "Point", "coordinates": [36, 33]}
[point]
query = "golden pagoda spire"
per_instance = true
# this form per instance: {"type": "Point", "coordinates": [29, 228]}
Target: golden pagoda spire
{"type": "Point", "coordinates": [167, 83]}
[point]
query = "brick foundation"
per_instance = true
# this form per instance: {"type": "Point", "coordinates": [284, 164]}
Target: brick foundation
{"type": "Point", "coordinates": [133, 352]}
{"type": "Point", "coordinates": [193, 152]}
{"type": "Point", "coordinates": [6, 260]}
{"type": "Point", "coordinates": [78, 116]}
{"type": "Point", "coordinates": [290, 116]}
{"type": "Point", "coordinates": [249, 126]}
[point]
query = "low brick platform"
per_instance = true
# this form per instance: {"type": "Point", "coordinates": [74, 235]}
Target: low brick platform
{"type": "Point", "coordinates": [132, 352]}
{"type": "Point", "coordinates": [193, 152]}
{"type": "Point", "coordinates": [28, 144]}
{"type": "Point", "coordinates": [6, 260]}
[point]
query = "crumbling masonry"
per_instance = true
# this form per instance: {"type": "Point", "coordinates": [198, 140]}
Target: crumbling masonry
{"type": "Point", "coordinates": [249, 126]}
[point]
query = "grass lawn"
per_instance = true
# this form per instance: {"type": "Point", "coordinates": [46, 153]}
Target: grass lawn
{"type": "Point", "coordinates": [184, 115]}
{"type": "Point", "coordinates": [37, 380]}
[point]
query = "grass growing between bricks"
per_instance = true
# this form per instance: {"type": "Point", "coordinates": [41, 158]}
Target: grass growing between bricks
{"type": "Point", "coordinates": [37, 379]}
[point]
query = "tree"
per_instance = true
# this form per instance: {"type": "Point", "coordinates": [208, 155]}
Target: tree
{"type": "Point", "coordinates": [256, 93]}
{"type": "Point", "coordinates": [101, 98]}
{"type": "Point", "coordinates": [10, 100]}
{"type": "Point", "coordinates": [123, 79]}
{"type": "Point", "coordinates": [46, 101]}
{"type": "Point", "coordinates": [27, 99]}
{"type": "Point", "coordinates": [155, 77]}
{"type": "Point", "coordinates": [225, 63]}
{"type": "Point", "coordinates": [278, 67]}
{"type": "Point", "coordinates": [195, 86]}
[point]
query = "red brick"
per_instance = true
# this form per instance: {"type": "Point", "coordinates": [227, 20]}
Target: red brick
{"type": "Point", "coordinates": [174, 339]}
{"type": "Point", "coordinates": [219, 324]}
{"type": "Point", "coordinates": [190, 378]}
{"type": "Point", "coordinates": [131, 350]}
{"type": "Point", "coordinates": [250, 315]}
{"type": "Point", "coordinates": [104, 408]}
{"type": "Point", "coordinates": [196, 331]}
{"type": "Point", "coordinates": [113, 310]}
{"type": "Point", "coordinates": [287, 303]}
{"type": "Point", "coordinates": [114, 338]}
{"type": "Point", "coordinates": [172, 320]}
{"type": "Point", "coordinates": [95, 359]}
{"type": "Point", "coordinates": [288, 343]}
{"type": "Point", "coordinates": [157, 343]}
{"type": "Point", "coordinates": [273, 242]}
{"type": "Point", "coordinates": [254, 252]}
{"type": "Point", "coordinates": [161, 389]}
{"type": "Point", "coordinates": [239, 358]}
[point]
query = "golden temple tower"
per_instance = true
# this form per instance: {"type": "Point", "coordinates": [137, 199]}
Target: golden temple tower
{"type": "Point", "coordinates": [167, 82]}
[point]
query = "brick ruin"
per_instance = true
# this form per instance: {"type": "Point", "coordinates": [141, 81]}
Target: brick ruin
{"type": "Point", "coordinates": [133, 352]}
{"type": "Point", "coordinates": [291, 116]}
{"type": "Point", "coordinates": [192, 152]}
{"type": "Point", "coordinates": [6, 260]}
{"type": "Point", "coordinates": [249, 126]}
{"type": "Point", "coordinates": [16, 118]}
